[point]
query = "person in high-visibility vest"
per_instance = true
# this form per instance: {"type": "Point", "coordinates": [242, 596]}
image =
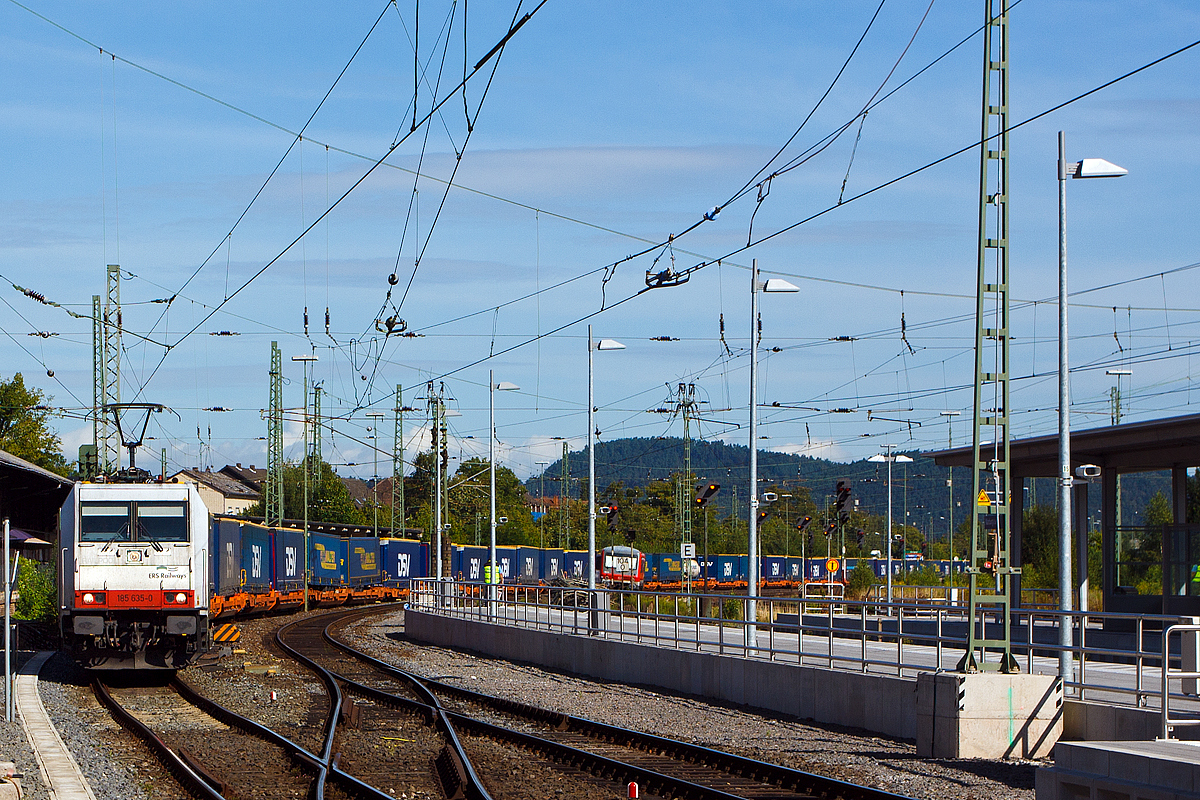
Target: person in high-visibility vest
{"type": "Point", "coordinates": [487, 573]}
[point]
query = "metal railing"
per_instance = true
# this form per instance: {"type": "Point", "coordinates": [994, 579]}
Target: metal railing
{"type": "Point", "coordinates": [1188, 672]}
{"type": "Point", "coordinates": [869, 636]}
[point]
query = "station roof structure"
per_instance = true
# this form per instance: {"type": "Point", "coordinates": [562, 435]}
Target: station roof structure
{"type": "Point", "coordinates": [1128, 447]}
{"type": "Point", "coordinates": [30, 496]}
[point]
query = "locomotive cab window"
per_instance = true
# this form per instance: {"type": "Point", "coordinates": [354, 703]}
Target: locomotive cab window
{"type": "Point", "coordinates": [162, 522]}
{"type": "Point", "coordinates": [104, 522]}
{"type": "Point", "coordinates": [133, 522]}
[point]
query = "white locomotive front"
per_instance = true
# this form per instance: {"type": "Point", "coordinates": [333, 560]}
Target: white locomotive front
{"type": "Point", "coordinates": [133, 575]}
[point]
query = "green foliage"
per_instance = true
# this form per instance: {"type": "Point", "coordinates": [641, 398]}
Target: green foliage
{"type": "Point", "coordinates": [37, 591]}
{"type": "Point", "coordinates": [862, 578]}
{"type": "Point", "coordinates": [1158, 511]}
{"type": "Point", "coordinates": [328, 498]}
{"type": "Point", "coordinates": [1039, 547]}
{"type": "Point", "coordinates": [24, 429]}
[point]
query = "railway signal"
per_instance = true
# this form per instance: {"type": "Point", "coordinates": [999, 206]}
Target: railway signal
{"type": "Point", "coordinates": [843, 497]}
{"type": "Point", "coordinates": [706, 494]}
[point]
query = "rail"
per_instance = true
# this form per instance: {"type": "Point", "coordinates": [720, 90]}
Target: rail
{"type": "Point", "coordinates": [1117, 658]}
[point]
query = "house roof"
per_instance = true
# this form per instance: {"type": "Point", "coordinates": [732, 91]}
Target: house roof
{"type": "Point", "coordinates": [218, 482]}
{"type": "Point", "coordinates": [251, 476]}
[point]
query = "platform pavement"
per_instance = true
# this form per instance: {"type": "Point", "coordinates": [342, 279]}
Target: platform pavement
{"type": "Point", "coordinates": [59, 770]}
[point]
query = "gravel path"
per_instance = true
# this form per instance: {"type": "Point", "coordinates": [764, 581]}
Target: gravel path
{"type": "Point", "coordinates": [15, 747]}
{"type": "Point", "coordinates": [843, 753]}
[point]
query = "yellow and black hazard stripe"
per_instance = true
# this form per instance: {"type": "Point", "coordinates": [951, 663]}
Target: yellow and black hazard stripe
{"type": "Point", "coordinates": [227, 633]}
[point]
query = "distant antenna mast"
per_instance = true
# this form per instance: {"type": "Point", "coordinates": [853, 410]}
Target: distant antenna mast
{"type": "Point", "coordinates": [273, 495]}
{"type": "Point", "coordinates": [110, 456]}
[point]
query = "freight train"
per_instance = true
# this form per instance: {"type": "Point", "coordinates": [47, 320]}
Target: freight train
{"type": "Point", "coordinates": [146, 571]}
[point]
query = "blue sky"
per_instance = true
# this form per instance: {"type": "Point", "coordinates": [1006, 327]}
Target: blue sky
{"type": "Point", "coordinates": [605, 126]}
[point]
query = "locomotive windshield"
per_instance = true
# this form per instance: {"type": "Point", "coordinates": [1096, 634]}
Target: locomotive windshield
{"type": "Point", "coordinates": [133, 522]}
{"type": "Point", "coordinates": [104, 522]}
{"type": "Point", "coordinates": [162, 522]}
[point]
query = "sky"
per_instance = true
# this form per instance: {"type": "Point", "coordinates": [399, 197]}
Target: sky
{"type": "Point", "coordinates": [164, 139]}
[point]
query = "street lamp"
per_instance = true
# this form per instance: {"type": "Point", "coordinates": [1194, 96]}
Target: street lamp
{"type": "Point", "coordinates": [603, 344]}
{"type": "Point", "coordinates": [306, 360]}
{"type": "Point", "coordinates": [889, 457]}
{"type": "Point", "coordinates": [375, 415]}
{"type": "Point", "coordinates": [1087, 168]}
{"type": "Point", "coordinates": [772, 285]}
{"type": "Point", "coordinates": [503, 386]}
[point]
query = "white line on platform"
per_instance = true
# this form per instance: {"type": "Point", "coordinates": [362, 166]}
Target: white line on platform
{"type": "Point", "coordinates": [59, 770]}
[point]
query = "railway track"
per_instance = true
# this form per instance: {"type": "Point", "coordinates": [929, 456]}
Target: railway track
{"type": "Point", "coordinates": [662, 767]}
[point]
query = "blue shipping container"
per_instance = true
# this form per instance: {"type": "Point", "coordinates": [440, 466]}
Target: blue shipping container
{"type": "Point", "coordinates": [552, 564]}
{"type": "Point", "coordinates": [467, 563]}
{"type": "Point", "coordinates": [228, 555]}
{"type": "Point", "coordinates": [727, 569]}
{"type": "Point", "coordinates": [774, 568]}
{"type": "Point", "coordinates": [795, 569]}
{"type": "Point", "coordinates": [528, 563]}
{"type": "Point", "coordinates": [575, 564]}
{"type": "Point", "coordinates": [506, 559]}
{"type": "Point", "coordinates": [256, 558]}
{"type": "Point", "coordinates": [401, 560]}
{"type": "Point", "coordinates": [287, 566]}
{"type": "Point", "coordinates": [362, 554]}
{"type": "Point", "coordinates": [327, 559]}
{"type": "Point", "coordinates": [670, 567]}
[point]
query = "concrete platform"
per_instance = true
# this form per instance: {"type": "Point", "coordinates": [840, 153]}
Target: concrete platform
{"type": "Point", "coordinates": [1158, 770]}
{"type": "Point", "coordinates": [58, 767]}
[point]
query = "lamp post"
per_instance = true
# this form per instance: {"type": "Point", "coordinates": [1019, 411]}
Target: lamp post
{"type": "Point", "coordinates": [889, 457]}
{"type": "Point", "coordinates": [306, 360]}
{"type": "Point", "coordinates": [376, 416]}
{"type": "Point", "coordinates": [772, 285]}
{"type": "Point", "coordinates": [503, 386]}
{"type": "Point", "coordinates": [1087, 168]}
{"type": "Point", "coordinates": [603, 344]}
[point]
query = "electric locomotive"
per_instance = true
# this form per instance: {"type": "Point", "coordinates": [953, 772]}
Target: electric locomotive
{"type": "Point", "coordinates": [133, 582]}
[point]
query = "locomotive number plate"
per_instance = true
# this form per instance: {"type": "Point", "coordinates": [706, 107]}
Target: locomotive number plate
{"type": "Point", "coordinates": [133, 598]}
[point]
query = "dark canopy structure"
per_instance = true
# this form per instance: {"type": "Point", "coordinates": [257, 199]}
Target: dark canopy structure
{"type": "Point", "coordinates": [31, 496]}
{"type": "Point", "coordinates": [1146, 569]}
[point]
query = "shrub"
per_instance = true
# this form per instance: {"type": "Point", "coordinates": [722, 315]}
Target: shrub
{"type": "Point", "coordinates": [862, 578]}
{"type": "Point", "coordinates": [37, 590]}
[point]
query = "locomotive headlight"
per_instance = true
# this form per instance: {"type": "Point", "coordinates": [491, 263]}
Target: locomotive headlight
{"type": "Point", "coordinates": [89, 598]}
{"type": "Point", "coordinates": [181, 598]}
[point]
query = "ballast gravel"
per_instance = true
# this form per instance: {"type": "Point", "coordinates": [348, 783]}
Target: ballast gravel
{"type": "Point", "coordinates": [846, 754]}
{"type": "Point", "coordinates": [114, 762]}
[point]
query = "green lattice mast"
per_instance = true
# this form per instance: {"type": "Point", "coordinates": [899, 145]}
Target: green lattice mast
{"type": "Point", "coordinates": [398, 467]}
{"type": "Point", "coordinates": [273, 489]}
{"type": "Point", "coordinates": [991, 575]}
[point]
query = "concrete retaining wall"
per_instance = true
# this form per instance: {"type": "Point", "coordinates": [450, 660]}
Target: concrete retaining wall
{"type": "Point", "coordinates": [877, 703]}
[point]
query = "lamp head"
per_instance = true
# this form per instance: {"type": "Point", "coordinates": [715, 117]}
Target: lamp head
{"type": "Point", "coordinates": [609, 344]}
{"type": "Point", "coordinates": [779, 285]}
{"type": "Point", "coordinates": [1095, 168]}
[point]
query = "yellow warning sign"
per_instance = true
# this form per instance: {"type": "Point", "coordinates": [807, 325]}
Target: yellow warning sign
{"type": "Point", "coordinates": [983, 498]}
{"type": "Point", "coordinates": [832, 565]}
{"type": "Point", "coordinates": [227, 633]}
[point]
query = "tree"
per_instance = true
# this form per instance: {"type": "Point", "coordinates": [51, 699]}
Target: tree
{"type": "Point", "coordinates": [328, 498]}
{"type": "Point", "coordinates": [23, 426]}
